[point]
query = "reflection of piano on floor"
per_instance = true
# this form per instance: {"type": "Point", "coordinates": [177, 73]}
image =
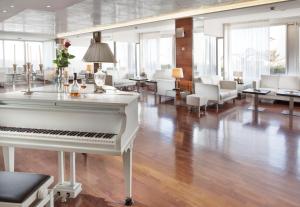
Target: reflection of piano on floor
{"type": "Point", "coordinates": [97, 123]}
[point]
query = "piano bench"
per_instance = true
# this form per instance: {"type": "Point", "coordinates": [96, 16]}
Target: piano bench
{"type": "Point", "coordinates": [19, 189]}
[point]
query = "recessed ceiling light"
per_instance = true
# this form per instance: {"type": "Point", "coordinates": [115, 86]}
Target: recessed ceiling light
{"type": "Point", "coordinates": [4, 11]}
{"type": "Point", "coordinates": [48, 6]}
{"type": "Point", "coordinates": [12, 6]}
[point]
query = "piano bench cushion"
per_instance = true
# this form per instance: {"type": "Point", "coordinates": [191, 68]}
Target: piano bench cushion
{"type": "Point", "coordinates": [16, 187]}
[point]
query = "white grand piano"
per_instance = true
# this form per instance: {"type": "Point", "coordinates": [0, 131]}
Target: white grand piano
{"type": "Point", "coordinates": [50, 120]}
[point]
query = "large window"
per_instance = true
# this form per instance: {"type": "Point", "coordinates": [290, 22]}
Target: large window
{"type": "Point", "coordinates": [205, 51]}
{"type": "Point", "coordinates": [11, 47]}
{"type": "Point", "coordinates": [278, 49]}
{"type": "Point", "coordinates": [126, 57]}
{"type": "Point", "coordinates": [150, 56]}
{"type": "Point", "coordinates": [166, 54]}
{"type": "Point", "coordinates": [79, 46]}
{"type": "Point", "coordinates": [157, 52]}
{"type": "Point", "coordinates": [256, 49]}
{"type": "Point", "coordinates": [107, 66]}
{"type": "Point", "coordinates": [220, 56]}
{"type": "Point", "coordinates": [20, 52]}
{"type": "Point", "coordinates": [35, 53]}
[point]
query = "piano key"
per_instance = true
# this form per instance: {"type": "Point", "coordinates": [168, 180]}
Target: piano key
{"type": "Point", "coordinates": [90, 134]}
{"type": "Point", "coordinates": [99, 135]}
{"type": "Point", "coordinates": [81, 134]}
{"type": "Point", "coordinates": [64, 132]}
{"type": "Point", "coordinates": [108, 136]}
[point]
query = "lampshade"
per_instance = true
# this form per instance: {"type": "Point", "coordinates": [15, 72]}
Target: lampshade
{"type": "Point", "coordinates": [177, 73]}
{"type": "Point", "coordinates": [99, 52]}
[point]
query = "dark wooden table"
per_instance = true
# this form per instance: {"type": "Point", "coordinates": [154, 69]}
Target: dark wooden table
{"type": "Point", "coordinates": [138, 81]}
{"type": "Point", "coordinates": [154, 83]}
{"type": "Point", "coordinates": [256, 93]}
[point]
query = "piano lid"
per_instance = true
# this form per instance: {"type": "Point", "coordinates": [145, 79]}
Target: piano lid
{"type": "Point", "coordinates": [51, 94]}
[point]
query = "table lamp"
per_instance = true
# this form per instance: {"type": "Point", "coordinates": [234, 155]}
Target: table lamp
{"type": "Point", "coordinates": [99, 52]}
{"type": "Point", "coordinates": [177, 73]}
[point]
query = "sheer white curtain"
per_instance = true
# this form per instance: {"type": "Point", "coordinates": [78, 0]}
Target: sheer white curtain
{"type": "Point", "coordinates": [150, 54]}
{"type": "Point", "coordinates": [48, 54]}
{"type": "Point", "coordinates": [205, 54]}
{"type": "Point", "coordinates": [248, 50]}
{"type": "Point", "coordinates": [126, 56]}
{"type": "Point", "coordinates": [166, 51]}
{"type": "Point", "coordinates": [1, 56]}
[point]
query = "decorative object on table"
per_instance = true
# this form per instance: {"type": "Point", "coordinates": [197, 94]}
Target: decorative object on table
{"type": "Point", "coordinates": [29, 71]}
{"type": "Point", "coordinates": [177, 73]}
{"type": "Point", "coordinates": [75, 87]}
{"type": "Point", "coordinates": [99, 53]}
{"type": "Point", "coordinates": [15, 68]}
{"type": "Point", "coordinates": [143, 75]}
{"type": "Point", "coordinates": [238, 77]}
{"type": "Point", "coordinates": [62, 60]}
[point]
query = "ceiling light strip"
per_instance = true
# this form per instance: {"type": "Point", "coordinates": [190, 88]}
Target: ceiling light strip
{"type": "Point", "coordinates": [176, 15]}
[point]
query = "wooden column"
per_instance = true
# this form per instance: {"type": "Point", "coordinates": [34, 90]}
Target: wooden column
{"type": "Point", "coordinates": [184, 52]}
{"type": "Point", "coordinates": [97, 38]}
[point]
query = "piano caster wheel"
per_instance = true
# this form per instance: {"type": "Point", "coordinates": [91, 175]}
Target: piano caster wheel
{"type": "Point", "coordinates": [128, 202]}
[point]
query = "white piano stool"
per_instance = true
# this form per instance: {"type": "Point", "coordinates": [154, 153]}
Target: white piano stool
{"type": "Point", "coordinates": [42, 196]}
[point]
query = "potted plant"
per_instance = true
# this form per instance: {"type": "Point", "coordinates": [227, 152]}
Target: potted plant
{"type": "Point", "coordinates": [62, 59]}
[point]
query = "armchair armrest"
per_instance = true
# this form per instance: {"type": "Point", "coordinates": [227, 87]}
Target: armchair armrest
{"type": "Point", "coordinates": [228, 85]}
{"type": "Point", "coordinates": [209, 91]}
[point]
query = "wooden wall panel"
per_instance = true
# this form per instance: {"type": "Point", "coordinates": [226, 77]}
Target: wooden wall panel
{"type": "Point", "coordinates": [184, 50]}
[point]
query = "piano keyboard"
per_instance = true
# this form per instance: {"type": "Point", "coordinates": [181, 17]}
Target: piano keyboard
{"type": "Point", "coordinates": [78, 136]}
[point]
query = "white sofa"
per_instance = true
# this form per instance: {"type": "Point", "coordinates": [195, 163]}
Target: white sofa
{"type": "Point", "coordinates": [120, 78]}
{"type": "Point", "coordinates": [275, 83]}
{"type": "Point", "coordinates": [216, 90]}
{"type": "Point", "coordinates": [165, 82]}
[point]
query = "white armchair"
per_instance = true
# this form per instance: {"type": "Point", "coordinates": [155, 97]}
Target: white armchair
{"type": "Point", "coordinates": [165, 82]}
{"type": "Point", "coordinates": [216, 90]}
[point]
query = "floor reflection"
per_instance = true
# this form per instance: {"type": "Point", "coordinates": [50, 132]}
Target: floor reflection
{"type": "Point", "coordinates": [234, 134]}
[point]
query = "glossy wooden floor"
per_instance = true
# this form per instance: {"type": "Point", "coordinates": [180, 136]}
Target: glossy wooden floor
{"type": "Point", "coordinates": [181, 160]}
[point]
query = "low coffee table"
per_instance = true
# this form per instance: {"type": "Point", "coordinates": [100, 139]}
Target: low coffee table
{"type": "Point", "coordinates": [256, 93]}
{"type": "Point", "coordinates": [138, 81]}
{"type": "Point", "coordinates": [291, 94]}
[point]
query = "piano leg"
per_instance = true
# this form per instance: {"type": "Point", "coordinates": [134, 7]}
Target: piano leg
{"type": "Point", "coordinates": [72, 169]}
{"type": "Point", "coordinates": [67, 189]}
{"type": "Point", "coordinates": [9, 158]}
{"type": "Point", "coordinates": [127, 166]}
{"type": "Point", "coordinates": [61, 167]}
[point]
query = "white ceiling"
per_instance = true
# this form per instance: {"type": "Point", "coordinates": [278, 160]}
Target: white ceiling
{"type": "Point", "coordinates": [33, 16]}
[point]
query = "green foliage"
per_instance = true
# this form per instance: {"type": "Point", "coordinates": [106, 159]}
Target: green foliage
{"type": "Point", "coordinates": [278, 69]}
{"type": "Point", "coordinates": [62, 58]}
